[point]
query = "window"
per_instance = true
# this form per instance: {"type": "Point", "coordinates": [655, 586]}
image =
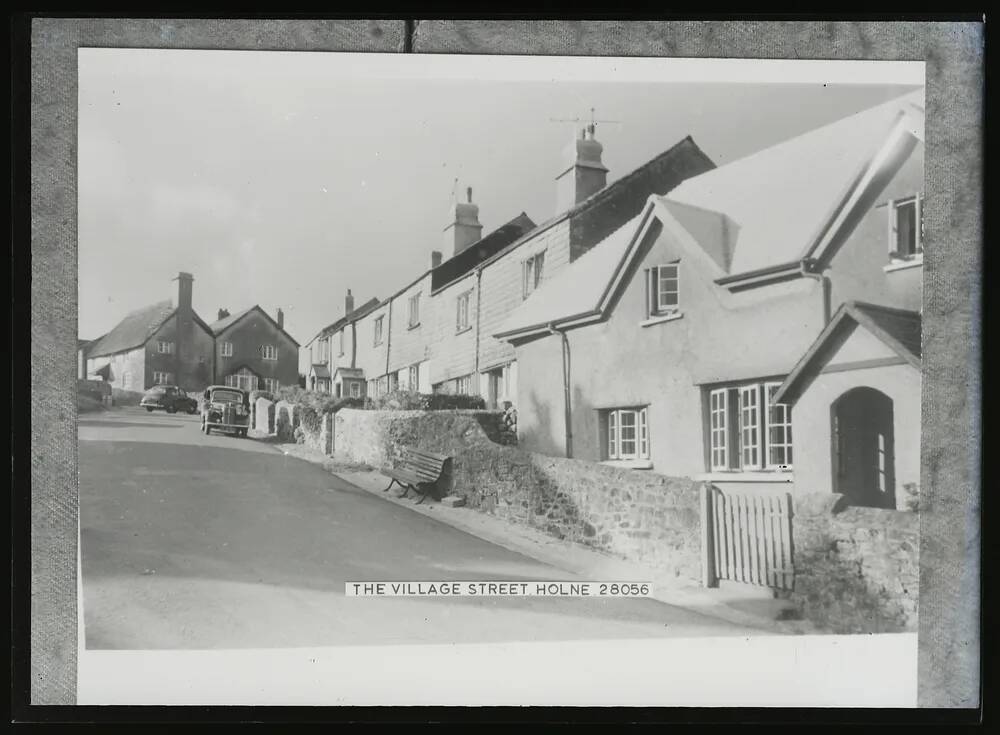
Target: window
{"type": "Point", "coordinates": [242, 378]}
{"type": "Point", "coordinates": [355, 389]}
{"type": "Point", "coordinates": [463, 385]}
{"type": "Point", "coordinates": [414, 377]}
{"type": "Point", "coordinates": [271, 385]}
{"type": "Point", "coordinates": [533, 268]}
{"type": "Point", "coordinates": [324, 350]}
{"type": "Point", "coordinates": [227, 349]}
{"type": "Point", "coordinates": [270, 352]}
{"type": "Point", "coordinates": [627, 434]}
{"type": "Point", "coordinates": [414, 302]}
{"type": "Point", "coordinates": [165, 348]}
{"type": "Point", "coordinates": [906, 226]}
{"type": "Point", "coordinates": [378, 331]}
{"type": "Point", "coordinates": [663, 289]}
{"type": "Point", "coordinates": [392, 381]}
{"type": "Point", "coordinates": [748, 430]}
{"type": "Point", "coordinates": [162, 378]}
{"type": "Point", "coordinates": [462, 311]}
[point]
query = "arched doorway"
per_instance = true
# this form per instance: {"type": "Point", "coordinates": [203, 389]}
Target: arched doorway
{"type": "Point", "coordinates": [863, 448]}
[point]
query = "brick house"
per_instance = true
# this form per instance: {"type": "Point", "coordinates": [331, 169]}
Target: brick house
{"type": "Point", "coordinates": [164, 343]}
{"type": "Point", "coordinates": [253, 351]}
{"type": "Point", "coordinates": [758, 326]}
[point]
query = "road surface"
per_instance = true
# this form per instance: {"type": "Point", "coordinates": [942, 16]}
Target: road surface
{"type": "Point", "coordinates": [213, 542]}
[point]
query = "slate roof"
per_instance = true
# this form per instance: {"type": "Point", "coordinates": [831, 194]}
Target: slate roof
{"type": "Point", "coordinates": [350, 372]}
{"type": "Point", "coordinates": [220, 326]}
{"type": "Point", "coordinates": [780, 198]}
{"type": "Point", "coordinates": [362, 311]}
{"type": "Point", "coordinates": [134, 330]}
{"type": "Point", "coordinates": [321, 371]}
{"type": "Point", "coordinates": [458, 265]}
{"type": "Point", "coordinates": [897, 328]}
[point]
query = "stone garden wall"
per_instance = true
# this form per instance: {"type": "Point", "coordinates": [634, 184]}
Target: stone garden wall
{"type": "Point", "coordinates": [642, 516]}
{"type": "Point", "coordinates": [856, 569]}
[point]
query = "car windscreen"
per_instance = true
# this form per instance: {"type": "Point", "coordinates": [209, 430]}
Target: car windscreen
{"type": "Point", "coordinates": [227, 396]}
{"type": "Point", "coordinates": [156, 391]}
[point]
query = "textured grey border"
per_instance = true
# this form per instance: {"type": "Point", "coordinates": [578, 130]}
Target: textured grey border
{"type": "Point", "coordinates": [949, 598]}
{"type": "Point", "coordinates": [54, 492]}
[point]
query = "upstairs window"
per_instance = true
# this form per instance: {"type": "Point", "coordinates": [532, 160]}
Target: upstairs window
{"type": "Point", "coordinates": [906, 228]}
{"type": "Point", "coordinates": [462, 311]}
{"type": "Point", "coordinates": [324, 349]}
{"type": "Point", "coordinates": [165, 348]}
{"type": "Point", "coordinates": [414, 302]}
{"type": "Point", "coordinates": [663, 290]}
{"type": "Point", "coordinates": [378, 330]}
{"type": "Point", "coordinates": [269, 352]}
{"type": "Point", "coordinates": [533, 269]}
{"type": "Point", "coordinates": [227, 349]}
{"type": "Point", "coordinates": [627, 433]}
{"type": "Point", "coordinates": [747, 430]}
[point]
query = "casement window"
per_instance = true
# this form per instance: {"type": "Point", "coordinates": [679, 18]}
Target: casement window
{"type": "Point", "coordinates": [463, 385]}
{"type": "Point", "coordinates": [378, 330]}
{"type": "Point", "coordinates": [165, 348]}
{"type": "Point", "coordinates": [355, 389]}
{"type": "Point", "coordinates": [271, 385]}
{"type": "Point", "coordinates": [413, 376]}
{"type": "Point", "coordinates": [227, 349]}
{"type": "Point", "coordinates": [747, 430]}
{"type": "Point", "coordinates": [462, 311]}
{"type": "Point", "coordinates": [414, 310]}
{"type": "Point", "coordinates": [324, 349]}
{"type": "Point", "coordinates": [533, 270]}
{"type": "Point", "coordinates": [161, 378]}
{"type": "Point", "coordinates": [627, 435]}
{"type": "Point", "coordinates": [906, 227]}
{"type": "Point", "coordinates": [663, 289]}
{"type": "Point", "coordinates": [269, 352]}
{"type": "Point", "coordinates": [242, 378]}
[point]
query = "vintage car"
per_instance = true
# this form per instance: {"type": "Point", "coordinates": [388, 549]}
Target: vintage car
{"type": "Point", "coordinates": [226, 409]}
{"type": "Point", "coordinates": [168, 398]}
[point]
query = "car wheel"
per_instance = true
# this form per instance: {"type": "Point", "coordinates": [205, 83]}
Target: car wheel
{"type": "Point", "coordinates": [149, 409]}
{"type": "Point", "coordinates": [171, 409]}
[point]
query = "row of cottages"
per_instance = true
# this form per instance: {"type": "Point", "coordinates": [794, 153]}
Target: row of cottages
{"type": "Point", "coordinates": [756, 327]}
{"type": "Point", "coordinates": [167, 343]}
{"type": "Point", "coordinates": [436, 334]}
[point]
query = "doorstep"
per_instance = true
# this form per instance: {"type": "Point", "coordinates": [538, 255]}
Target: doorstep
{"type": "Point", "coordinates": [741, 604]}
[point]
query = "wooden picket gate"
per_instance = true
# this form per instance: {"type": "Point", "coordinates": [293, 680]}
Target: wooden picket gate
{"type": "Point", "coordinates": [747, 538]}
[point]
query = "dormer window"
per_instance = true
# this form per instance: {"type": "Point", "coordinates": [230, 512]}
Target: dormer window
{"type": "Point", "coordinates": [663, 290]}
{"type": "Point", "coordinates": [906, 228]}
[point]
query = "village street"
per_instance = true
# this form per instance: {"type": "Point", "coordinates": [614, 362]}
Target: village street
{"type": "Point", "coordinates": [191, 541]}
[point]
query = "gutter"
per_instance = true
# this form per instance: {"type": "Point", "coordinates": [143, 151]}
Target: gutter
{"type": "Point", "coordinates": [810, 268]}
{"type": "Point", "coordinates": [567, 405]}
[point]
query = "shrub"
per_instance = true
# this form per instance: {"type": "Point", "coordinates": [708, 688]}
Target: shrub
{"type": "Point", "coordinates": [407, 400]}
{"type": "Point", "coordinates": [449, 402]}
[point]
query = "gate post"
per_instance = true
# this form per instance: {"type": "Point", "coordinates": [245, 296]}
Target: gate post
{"type": "Point", "coordinates": [708, 577]}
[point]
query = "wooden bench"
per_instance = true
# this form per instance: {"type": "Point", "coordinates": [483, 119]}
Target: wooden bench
{"type": "Point", "coordinates": [418, 471]}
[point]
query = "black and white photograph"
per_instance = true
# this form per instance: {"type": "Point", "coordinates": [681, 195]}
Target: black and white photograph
{"type": "Point", "coordinates": [461, 379]}
{"type": "Point", "coordinates": [628, 353]}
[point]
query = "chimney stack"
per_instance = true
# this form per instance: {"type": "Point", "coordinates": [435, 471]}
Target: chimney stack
{"type": "Point", "coordinates": [281, 318]}
{"type": "Point", "coordinates": [435, 258]}
{"type": "Point", "coordinates": [223, 313]}
{"type": "Point", "coordinates": [185, 285]}
{"type": "Point", "coordinates": [348, 303]}
{"type": "Point", "coordinates": [464, 228]}
{"type": "Point", "coordinates": [585, 174]}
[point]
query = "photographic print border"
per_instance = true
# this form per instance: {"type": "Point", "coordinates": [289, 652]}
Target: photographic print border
{"type": "Point", "coordinates": [949, 623]}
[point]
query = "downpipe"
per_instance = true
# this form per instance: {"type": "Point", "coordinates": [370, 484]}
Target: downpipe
{"type": "Point", "coordinates": [809, 268]}
{"type": "Point", "coordinates": [566, 391]}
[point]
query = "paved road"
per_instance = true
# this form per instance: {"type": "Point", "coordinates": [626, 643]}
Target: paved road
{"type": "Point", "coordinates": [219, 542]}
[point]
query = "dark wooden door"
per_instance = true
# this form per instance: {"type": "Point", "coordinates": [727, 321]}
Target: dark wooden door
{"type": "Point", "coordinates": [864, 448]}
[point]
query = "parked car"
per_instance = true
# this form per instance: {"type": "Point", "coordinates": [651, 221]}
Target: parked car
{"type": "Point", "coordinates": [226, 409]}
{"type": "Point", "coordinates": [168, 398]}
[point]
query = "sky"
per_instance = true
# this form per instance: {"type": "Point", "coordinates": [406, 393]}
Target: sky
{"type": "Point", "coordinates": [283, 179]}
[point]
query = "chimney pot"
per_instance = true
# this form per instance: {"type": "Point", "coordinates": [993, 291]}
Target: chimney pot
{"type": "Point", "coordinates": [223, 313]}
{"type": "Point", "coordinates": [348, 302]}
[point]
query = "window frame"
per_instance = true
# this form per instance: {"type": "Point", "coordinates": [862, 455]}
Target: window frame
{"type": "Point", "coordinates": [355, 389]}
{"type": "Point", "coordinates": [226, 349]}
{"type": "Point", "coordinates": [413, 310]}
{"type": "Point", "coordinates": [462, 303]}
{"type": "Point", "coordinates": [267, 350]}
{"type": "Point", "coordinates": [377, 329]}
{"type": "Point", "coordinates": [531, 273]}
{"type": "Point", "coordinates": [413, 376]}
{"type": "Point", "coordinates": [168, 378]}
{"type": "Point", "coordinates": [770, 423]}
{"type": "Point", "coordinates": [164, 347]}
{"type": "Point", "coordinates": [655, 292]}
{"type": "Point", "coordinates": [893, 207]}
{"type": "Point", "coordinates": [614, 437]}
{"type": "Point", "coordinates": [739, 432]}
